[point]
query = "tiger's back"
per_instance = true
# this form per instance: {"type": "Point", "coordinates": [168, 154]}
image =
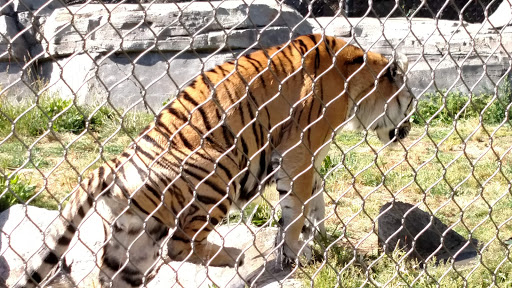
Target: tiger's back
{"type": "Point", "coordinates": [268, 115]}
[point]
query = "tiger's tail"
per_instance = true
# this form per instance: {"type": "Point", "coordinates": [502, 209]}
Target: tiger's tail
{"type": "Point", "coordinates": [58, 238]}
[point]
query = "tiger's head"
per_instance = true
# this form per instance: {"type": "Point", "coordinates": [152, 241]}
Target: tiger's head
{"type": "Point", "coordinates": [386, 106]}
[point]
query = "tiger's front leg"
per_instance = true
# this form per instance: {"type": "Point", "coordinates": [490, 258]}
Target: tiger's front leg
{"type": "Point", "coordinates": [294, 181]}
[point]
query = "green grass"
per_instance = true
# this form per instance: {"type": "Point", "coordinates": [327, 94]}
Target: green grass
{"type": "Point", "coordinates": [342, 268]}
{"type": "Point", "coordinates": [52, 141]}
{"type": "Point", "coordinates": [443, 107]}
{"type": "Point", "coordinates": [448, 166]}
{"type": "Point", "coordinates": [14, 190]}
{"type": "Point", "coordinates": [51, 113]}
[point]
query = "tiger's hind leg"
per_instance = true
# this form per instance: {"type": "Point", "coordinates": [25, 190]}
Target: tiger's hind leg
{"type": "Point", "coordinates": [189, 240]}
{"type": "Point", "coordinates": [132, 251]}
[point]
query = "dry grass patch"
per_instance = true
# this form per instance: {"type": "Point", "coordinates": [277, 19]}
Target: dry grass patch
{"type": "Point", "coordinates": [461, 175]}
{"type": "Point", "coordinates": [461, 172]}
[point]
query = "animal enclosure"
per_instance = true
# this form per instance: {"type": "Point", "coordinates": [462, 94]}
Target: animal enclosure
{"type": "Point", "coordinates": [79, 81]}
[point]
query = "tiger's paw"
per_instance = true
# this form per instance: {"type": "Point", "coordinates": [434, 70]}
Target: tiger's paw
{"type": "Point", "coordinates": [300, 254]}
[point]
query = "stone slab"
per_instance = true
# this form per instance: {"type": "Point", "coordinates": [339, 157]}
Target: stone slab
{"type": "Point", "coordinates": [457, 73]}
{"type": "Point", "coordinates": [337, 27]}
{"type": "Point", "coordinates": [439, 51]}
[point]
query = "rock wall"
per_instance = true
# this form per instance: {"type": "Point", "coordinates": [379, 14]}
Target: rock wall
{"type": "Point", "coordinates": [139, 55]}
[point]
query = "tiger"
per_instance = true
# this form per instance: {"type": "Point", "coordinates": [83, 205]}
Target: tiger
{"type": "Point", "coordinates": [266, 117]}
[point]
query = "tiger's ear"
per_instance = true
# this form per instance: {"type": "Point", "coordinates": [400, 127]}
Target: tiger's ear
{"type": "Point", "coordinates": [400, 65]}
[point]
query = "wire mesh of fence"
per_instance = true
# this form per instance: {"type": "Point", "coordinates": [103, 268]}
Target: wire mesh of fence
{"type": "Point", "coordinates": [255, 144]}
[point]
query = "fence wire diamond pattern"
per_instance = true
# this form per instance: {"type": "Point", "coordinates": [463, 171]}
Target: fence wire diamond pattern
{"type": "Point", "coordinates": [310, 164]}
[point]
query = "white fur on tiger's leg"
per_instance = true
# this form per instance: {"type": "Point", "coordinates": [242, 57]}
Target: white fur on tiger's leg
{"type": "Point", "coordinates": [314, 226]}
{"type": "Point", "coordinates": [294, 198]}
{"type": "Point", "coordinates": [291, 224]}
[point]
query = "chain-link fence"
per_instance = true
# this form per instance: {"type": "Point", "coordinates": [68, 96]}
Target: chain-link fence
{"type": "Point", "coordinates": [251, 175]}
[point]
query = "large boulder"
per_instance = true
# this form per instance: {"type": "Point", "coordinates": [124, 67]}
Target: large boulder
{"type": "Point", "coordinates": [130, 54]}
{"type": "Point", "coordinates": [141, 54]}
{"type": "Point", "coordinates": [123, 80]}
{"type": "Point", "coordinates": [32, 26]}
{"type": "Point", "coordinates": [21, 236]}
{"type": "Point", "coordinates": [41, 6]}
{"type": "Point", "coordinates": [6, 8]}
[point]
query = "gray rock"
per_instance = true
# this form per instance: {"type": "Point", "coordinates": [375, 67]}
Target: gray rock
{"type": "Point", "coordinates": [15, 81]}
{"type": "Point", "coordinates": [15, 244]}
{"type": "Point", "coordinates": [12, 44]}
{"type": "Point", "coordinates": [431, 237]}
{"type": "Point", "coordinates": [21, 236]}
{"type": "Point", "coordinates": [259, 268]}
{"type": "Point", "coordinates": [439, 51]}
{"type": "Point", "coordinates": [169, 27]}
{"type": "Point", "coordinates": [32, 26]}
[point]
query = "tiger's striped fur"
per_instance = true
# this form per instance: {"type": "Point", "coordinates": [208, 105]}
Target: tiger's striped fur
{"type": "Point", "coordinates": [268, 115]}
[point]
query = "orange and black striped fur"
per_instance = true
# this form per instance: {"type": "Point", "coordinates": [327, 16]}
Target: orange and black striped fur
{"type": "Point", "coordinates": [267, 116]}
